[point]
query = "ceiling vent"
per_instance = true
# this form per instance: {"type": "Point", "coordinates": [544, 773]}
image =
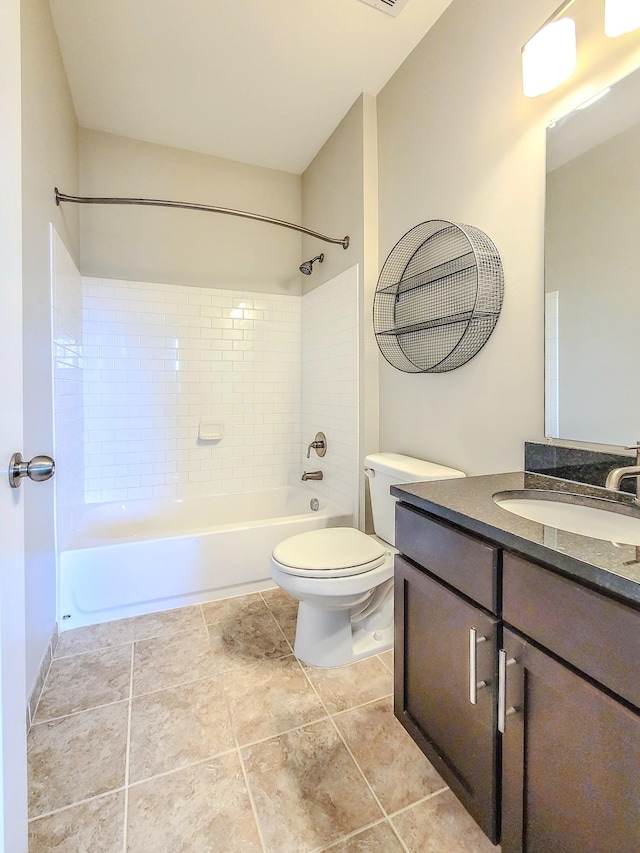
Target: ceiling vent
{"type": "Point", "coordinates": [391, 7]}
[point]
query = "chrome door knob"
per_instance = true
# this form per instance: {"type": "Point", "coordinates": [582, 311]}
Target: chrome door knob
{"type": "Point", "coordinates": [38, 469]}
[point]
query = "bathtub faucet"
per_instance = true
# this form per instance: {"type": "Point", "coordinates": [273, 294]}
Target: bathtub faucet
{"type": "Point", "coordinates": [312, 475]}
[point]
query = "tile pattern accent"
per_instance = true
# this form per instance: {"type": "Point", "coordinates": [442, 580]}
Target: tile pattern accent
{"type": "Point", "coordinates": [193, 754]}
{"type": "Point", "coordinates": [160, 358]}
{"type": "Point", "coordinates": [330, 386]}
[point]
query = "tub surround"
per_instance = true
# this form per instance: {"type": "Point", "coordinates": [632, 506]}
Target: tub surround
{"type": "Point", "coordinates": [576, 463]}
{"type": "Point", "coordinates": [468, 503]}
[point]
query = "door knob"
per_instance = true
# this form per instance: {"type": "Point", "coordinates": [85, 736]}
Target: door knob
{"type": "Point", "coordinates": [38, 469]}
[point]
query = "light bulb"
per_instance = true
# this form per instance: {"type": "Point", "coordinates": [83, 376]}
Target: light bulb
{"type": "Point", "coordinates": [549, 57]}
{"type": "Point", "coordinates": [621, 16]}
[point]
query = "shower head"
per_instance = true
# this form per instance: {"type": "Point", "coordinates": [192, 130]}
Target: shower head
{"type": "Point", "coordinates": [307, 266]}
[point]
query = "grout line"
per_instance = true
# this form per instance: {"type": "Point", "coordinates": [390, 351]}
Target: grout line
{"type": "Point", "coordinates": [245, 775]}
{"type": "Point", "coordinates": [353, 834]}
{"type": "Point", "coordinates": [333, 723]}
{"type": "Point", "coordinates": [78, 803]}
{"type": "Point", "coordinates": [128, 754]}
{"type": "Point", "coordinates": [81, 711]}
{"type": "Point", "coordinates": [182, 767]}
{"type": "Point", "coordinates": [419, 802]}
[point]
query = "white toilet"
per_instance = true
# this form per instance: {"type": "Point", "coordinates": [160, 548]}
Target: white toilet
{"type": "Point", "coordinates": [343, 578]}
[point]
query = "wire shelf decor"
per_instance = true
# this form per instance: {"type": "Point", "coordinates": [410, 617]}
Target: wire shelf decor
{"type": "Point", "coordinates": [438, 297]}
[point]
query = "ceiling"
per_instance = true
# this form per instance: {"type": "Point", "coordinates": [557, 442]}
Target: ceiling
{"type": "Point", "coordinates": [259, 81]}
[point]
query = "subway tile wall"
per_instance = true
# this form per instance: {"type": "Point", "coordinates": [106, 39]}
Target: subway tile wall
{"type": "Point", "coordinates": [158, 360]}
{"type": "Point", "coordinates": [330, 386]}
{"type": "Point", "coordinates": [66, 336]}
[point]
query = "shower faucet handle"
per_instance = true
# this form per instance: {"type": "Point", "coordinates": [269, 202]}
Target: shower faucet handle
{"type": "Point", "coordinates": [319, 444]}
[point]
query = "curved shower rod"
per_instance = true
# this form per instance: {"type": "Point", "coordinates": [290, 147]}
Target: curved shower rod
{"type": "Point", "coordinates": [187, 205]}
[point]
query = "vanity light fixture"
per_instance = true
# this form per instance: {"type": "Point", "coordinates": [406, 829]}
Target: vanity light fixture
{"type": "Point", "coordinates": [549, 56]}
{"type": "Point", "coordinates": [621, 16]}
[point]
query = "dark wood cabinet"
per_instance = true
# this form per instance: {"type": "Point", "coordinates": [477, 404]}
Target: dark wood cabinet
{"type": "Point", "coordinates": [548, 757]}
{"type": "Point", "coordinates": [570, 760]}
{"type": "Point", "coordinates": [445, 686]}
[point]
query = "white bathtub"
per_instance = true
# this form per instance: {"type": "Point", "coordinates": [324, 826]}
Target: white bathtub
{"type": "Point", "coordinates": [127, 559]}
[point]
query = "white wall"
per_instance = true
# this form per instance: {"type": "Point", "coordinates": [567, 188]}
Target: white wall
{"type": "Point", "coordinates": [330, 323]}
{"type": "Point", "coordinates": [458, 140]}
{"type": "Point", "coordinates": [186, 247]}
{"type": "Point", "coordinates": [49, 157]}
{"type": "Point", "coordinates": [67, 388]}
{"type": "Point", "coordinates": [159, 359]}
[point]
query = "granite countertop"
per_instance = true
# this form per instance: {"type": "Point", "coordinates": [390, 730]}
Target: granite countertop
{"type": "Point", "coordinates": [468, 503]}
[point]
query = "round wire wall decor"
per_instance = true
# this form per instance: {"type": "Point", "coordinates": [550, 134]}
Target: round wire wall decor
{"type": "Point", "coordinates": [438, 297]}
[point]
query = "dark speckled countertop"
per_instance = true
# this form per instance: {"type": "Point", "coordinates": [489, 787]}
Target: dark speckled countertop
{"type": "Point", "coordinates": [468, 503]}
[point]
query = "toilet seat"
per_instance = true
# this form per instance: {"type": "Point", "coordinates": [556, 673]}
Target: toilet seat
{"type": "Point", "coordinates": [331, 552]}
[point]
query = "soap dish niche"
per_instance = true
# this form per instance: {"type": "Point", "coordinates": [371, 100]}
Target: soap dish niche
{"type": "Point", "coordinates": [210, 431]}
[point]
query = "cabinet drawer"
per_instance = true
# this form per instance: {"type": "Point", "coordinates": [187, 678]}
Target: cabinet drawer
{"type": "Point", "coordinates": [462, 561]}
{"type": "Point", "coordinates": [594, 633]}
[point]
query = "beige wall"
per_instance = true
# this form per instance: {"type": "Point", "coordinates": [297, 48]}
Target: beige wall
{"type": "Point", "coordinates": [458, 140]}
{"type": "Point", "coordinates": [186, 247]}
{"type": "Point", "coordinates": [340, 197]}
{"type": "Point", "coordinates": [49, 158]}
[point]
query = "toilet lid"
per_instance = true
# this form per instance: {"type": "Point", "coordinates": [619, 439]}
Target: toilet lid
{"type": "Point", "coordinates": [335, 550]}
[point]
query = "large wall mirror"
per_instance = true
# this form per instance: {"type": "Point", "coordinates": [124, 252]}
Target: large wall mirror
{"type": "Point", "coordinates": [592, 270]}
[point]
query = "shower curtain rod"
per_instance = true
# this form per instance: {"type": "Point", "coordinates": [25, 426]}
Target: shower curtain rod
{"type": "Point", "coordinates": [186, 205]}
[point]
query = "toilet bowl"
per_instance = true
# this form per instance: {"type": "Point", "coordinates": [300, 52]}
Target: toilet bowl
{"type": "Point", "coordinates": [343, 578]}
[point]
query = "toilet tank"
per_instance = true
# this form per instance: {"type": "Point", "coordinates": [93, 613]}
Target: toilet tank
{"type": "Point", "coordinates": [388, 469]}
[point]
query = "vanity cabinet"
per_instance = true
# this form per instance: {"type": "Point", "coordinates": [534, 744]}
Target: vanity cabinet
{"type": "Point", "coordinates": [548, 757]}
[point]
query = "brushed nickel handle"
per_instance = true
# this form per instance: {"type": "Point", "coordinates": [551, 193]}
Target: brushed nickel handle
{"type": "Point", "coordinates": [38, 469]}
{"type": "Point", "coordinates": [474, 684]}
{"type": "Point", "coordinates": [503, 711]}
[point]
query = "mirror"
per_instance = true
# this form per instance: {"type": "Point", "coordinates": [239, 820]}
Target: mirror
{"type": "Point", "coordinates": [592, 269]}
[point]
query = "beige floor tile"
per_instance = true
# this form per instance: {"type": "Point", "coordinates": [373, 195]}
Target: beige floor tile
{"type": "Point", "coordinates": [238, 641]}
{"type": "Point", "coordinates": [347, 686]}
{"type": "Point", "coordinates": [77, 757]}
{"type": "Point", "coordinates": [201, 809]}
{"type": "Point", "coordinates": [163, 662]}
{"type": "Point", "coordinates": [394, 766]}
{"type": "Point", "coordinates": [287, 619]}
{"type": "Point", "coordinates": [439, 824]}
{"type": "Point", "coordinates": [233, 608]}
{"type": "Point", "coordinates": [387, 659]}
{"type": "Point", "coordinates": [278, 599]}
{"type": "Point", "coordinates": [178, 726]}
{"type": "Point", "coordinates": [269, 698]}
{"type": "Point", "coordinates": [167, 622]}
{"type": "Point", "coordinates": [377, 839]}
{"type": "Point", "coordinates": [307, 790]}
{"type": "Point", "coordinates": [79, 640]}
{"type": "Point", "coordinates": [93, 827]}
{"type": "Point", "coordinates": [85, 681]}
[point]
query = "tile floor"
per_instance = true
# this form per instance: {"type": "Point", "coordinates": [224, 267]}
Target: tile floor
{"type": "Point", "coordinates": [197, 730]}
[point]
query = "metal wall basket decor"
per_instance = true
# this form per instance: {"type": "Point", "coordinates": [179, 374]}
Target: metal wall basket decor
{"type": "Point", "coordinates": [438, 297]}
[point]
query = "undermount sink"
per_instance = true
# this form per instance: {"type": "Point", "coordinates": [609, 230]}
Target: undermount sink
{"type": "Point", "coordinates": [587, 516]}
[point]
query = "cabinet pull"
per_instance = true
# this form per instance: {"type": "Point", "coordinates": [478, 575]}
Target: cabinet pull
{"type": "Point", "coordinates": [503, 711]}
{"type": "Point", "coordinates": [474, 684]}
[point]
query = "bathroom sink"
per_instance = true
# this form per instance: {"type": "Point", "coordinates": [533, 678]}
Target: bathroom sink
{"type": "Point", "coordinates": [588, 516]}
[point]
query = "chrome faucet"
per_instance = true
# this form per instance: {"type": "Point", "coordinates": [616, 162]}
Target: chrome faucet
{"type": "Point", "coordinates": [317, 475]}
{"type": "Point", "coordinates": [617, 475]}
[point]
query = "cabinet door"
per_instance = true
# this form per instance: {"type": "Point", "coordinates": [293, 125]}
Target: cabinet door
{"type": "Point", "coordinates": [433, 667]}
{"type": "Point", "coordinates": [571, 761]}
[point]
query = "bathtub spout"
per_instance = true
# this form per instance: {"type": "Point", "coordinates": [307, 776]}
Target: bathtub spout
{"type": "Point", "coordinates": [312, 475]}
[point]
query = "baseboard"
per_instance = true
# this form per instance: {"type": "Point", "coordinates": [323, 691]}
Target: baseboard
{"type": "Point", "coordinates": [43, 671]}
